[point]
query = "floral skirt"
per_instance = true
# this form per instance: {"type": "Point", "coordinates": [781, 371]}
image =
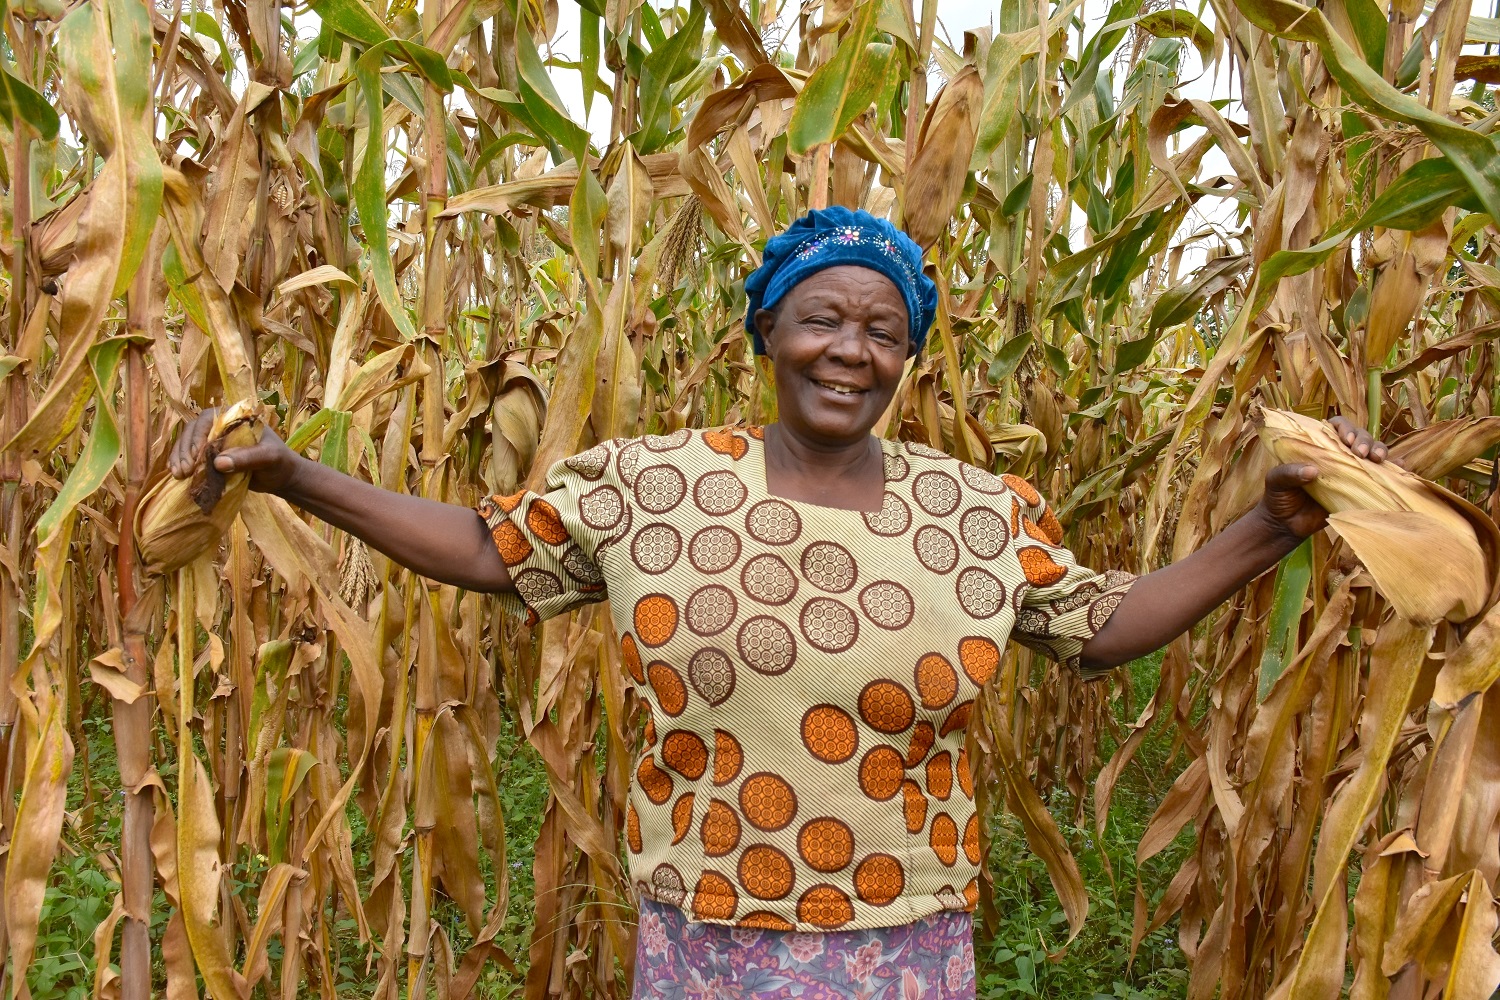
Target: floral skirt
{"type": "Point", "coordinates": [681, 959]}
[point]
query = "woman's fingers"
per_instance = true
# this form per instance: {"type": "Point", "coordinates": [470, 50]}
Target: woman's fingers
{"type": "Point", "coordinates": [1290, 477]}
{"type": "Point", "coordinates": [1359, 440]}
{"type": "Point", "coordinates": [188, 450]}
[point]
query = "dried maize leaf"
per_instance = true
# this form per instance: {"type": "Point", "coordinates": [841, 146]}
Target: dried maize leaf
{"type": "Point", "coordinates": [1438, 449]}
{"type": "Point", "coordinates": [1460, 546]}
{"type": "Point", "coordinates": [1427, 573]}
{"type": "Point", "coordinates": [1472, 668]}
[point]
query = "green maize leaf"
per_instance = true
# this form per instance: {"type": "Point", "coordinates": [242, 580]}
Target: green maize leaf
{"type": "Point", "coordinates": [19, 102]}
{"type": "Point", "coordinates": [1100, 47]}
{"type": "Point", "coordinates": [841, 88]}
{"type": "Point", "coordinates": [201, 23]}
{"type": "Point", "coordinates": [369, 191]}
{"type": "Point", "coordinates": [1178, 304]}
{"type": "Point", "coordinates": [1475, 155]}
{"type": "Point", "coordinates": [1413, 201]}
{"type": "Point", "coordinates": [286, 769]}
{"type": "Point", "coordinates": [1008, 358]}
{"type": "Point", "coordinates": [353, 19]}
{"type": "Point", "coordinates": [590, 25]}
{"type": "Point", "coordinates": [542, 104]}
{"type": "Point", "coordinates": [1133, 353]}
{"type": "Point", "coordinates": [1293, 576]}
{"type": "Point", "coordinates": [1370, 27]}
{"type": "Point", "coordinates": [1180, 24]}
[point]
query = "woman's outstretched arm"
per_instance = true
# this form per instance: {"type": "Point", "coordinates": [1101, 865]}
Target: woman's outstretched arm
{"type": "Point", "coordinates": [1162, 605]}
{"type": "Point", "coordinates": [443, 542]}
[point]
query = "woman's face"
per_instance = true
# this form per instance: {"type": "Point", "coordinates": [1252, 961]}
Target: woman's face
{"type": "Point", "coordinates": [839, 341]}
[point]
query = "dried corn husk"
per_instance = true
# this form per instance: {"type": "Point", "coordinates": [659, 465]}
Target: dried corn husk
{"type": "Point", "coordinates": [941, 165]}
{"type": "Point", "coordinates": [180, 519]}
{"type": "Point", "coordinates": [1432, 554]}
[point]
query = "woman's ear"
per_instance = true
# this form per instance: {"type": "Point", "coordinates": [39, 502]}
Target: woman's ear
{"type": "Point", "coordinates": [765, 321]}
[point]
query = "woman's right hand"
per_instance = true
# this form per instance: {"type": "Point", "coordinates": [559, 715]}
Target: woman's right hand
{"type": "Point", "coordinates": [270, 463]}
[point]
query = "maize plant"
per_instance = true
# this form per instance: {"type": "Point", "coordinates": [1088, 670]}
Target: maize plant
{"type": "Point", "coordinates": [376, 227]}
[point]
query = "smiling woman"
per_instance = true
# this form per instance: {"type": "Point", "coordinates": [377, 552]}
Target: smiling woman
{"type": "Point", "coordinates": [809, 613]}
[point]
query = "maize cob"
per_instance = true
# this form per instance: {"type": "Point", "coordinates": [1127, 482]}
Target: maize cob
{"type": "Point", "coordinates": [180, 519]}
{"type": "Point", "coordinates": [1420, 543]}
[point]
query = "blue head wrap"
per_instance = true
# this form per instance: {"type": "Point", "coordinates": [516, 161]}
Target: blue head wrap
{"type": "Point", "coordinates": [828, 237]}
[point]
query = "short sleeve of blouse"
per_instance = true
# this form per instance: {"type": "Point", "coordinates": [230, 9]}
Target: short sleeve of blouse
{"type": "Point", "coordinates": [1063, 604]}
{"type": "Point", "coordinates": [552, 542]}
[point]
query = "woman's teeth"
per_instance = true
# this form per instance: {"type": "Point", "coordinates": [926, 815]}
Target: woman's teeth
{"type": "Point", "coordinates": [843, 390]}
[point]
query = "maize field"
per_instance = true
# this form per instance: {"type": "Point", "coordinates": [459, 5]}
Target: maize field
{"type": "Point", "coordinates": [377, 228]}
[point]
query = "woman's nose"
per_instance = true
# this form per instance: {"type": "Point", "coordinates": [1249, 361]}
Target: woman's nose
{"type": "Point", "coordinates": [848, 344]}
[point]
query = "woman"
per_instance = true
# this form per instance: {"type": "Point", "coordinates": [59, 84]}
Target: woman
{"type": "Point", "coordinates": [808, 612]}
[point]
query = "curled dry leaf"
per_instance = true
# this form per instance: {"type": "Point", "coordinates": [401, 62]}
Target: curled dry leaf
{"type": "Point", "coordinates": [1432, 554]}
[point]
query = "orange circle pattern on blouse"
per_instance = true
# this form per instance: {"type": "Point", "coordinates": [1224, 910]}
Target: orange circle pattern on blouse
{"type": "Point", "coordinates": [720, 829]}
{"type": "Point", "coordinates": [633, 828]}
{"type": "Point", "coordinates": [943, 839]}
{"type": "Point", "coordinates": [656, 783]}
{"type": "Point", "coordinates": [921, 742]}
{"type": "Point", "coordinates": [655, 619]}
{"type": "Point", "coordinates": [765, 872]}
{"type": "Point", "coordinates": [546, 523]}
{"type": "Point", "coordinates": [728, 757]}
{"type": "Point", "coordinates": [937, 681]}
{"type": "Point", "coordinates": [509, 501]}
{"type": "Point", "coordinates": [671, 693]}
{"type": "Point", "coordinates": [1039, 567]}
{"type": "Point", "coordinates": [685, 753]}
{"type": "Point", "coordinates": [940, 776]}
{"type": "Point", "coordinates": [829, 734]}
{"type": "Point", "coordinates": [957, 719]}
{"type": "Point", "coordinates": [765, 920]}
{"type": "Point", "coordinates": [879, 879]}
{"type": "Point", "coordinates": [826, 844]}
{"type": "Point", "coordinates": [768, 801]}
{"type": "Point", "coordinates": [886, 707]}
{"type": "Point", "coordinates": [965, 777]}
{"type": "Point", "coordinates": [726, 442]}
{"type": "Point", "coordinates": [979, 657]}
{"type": "Point", "coordinates": [630, 654]}
{"type": "Point", "coordinates": [880, 773]}
{"type": "Point", "coordinates": [1051, 527]}
{"type": "Point", "coordinates": [825, 906]}
{"type": "Point", "coordinates": [971, 839]}
{"type": "Point", "coordinates": [510, 543]}
{"type": "Point", "coordinates": [1022, 489]}
{"type": "Point", "coordinates": [914, 806]}
{"type": "Point", "coordinates": [682, 818]}
{"type": "Point", "coordinates": [714, 897]}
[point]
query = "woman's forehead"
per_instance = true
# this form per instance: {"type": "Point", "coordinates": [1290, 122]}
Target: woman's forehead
{"type": "Point", "coordinates": [849, 282]}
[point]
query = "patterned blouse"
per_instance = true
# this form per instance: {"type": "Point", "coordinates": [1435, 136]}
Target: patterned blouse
{"type": "Point", "coordinates": [809, 671]}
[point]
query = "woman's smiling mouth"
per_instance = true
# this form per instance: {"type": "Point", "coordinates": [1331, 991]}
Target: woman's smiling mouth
{"type": "Point", "coordinates": [842, 388]}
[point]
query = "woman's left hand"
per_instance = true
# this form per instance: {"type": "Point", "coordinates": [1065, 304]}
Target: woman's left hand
{"type": "Point", "coordinates": [1288, 505]}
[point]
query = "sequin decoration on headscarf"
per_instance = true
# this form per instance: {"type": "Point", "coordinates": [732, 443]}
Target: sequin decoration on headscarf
{"type": "Point", "coordinates": [828, 237]}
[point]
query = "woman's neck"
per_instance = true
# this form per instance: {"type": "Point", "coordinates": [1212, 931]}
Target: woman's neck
{"type": "Point", "coordinates": [845, 475]}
